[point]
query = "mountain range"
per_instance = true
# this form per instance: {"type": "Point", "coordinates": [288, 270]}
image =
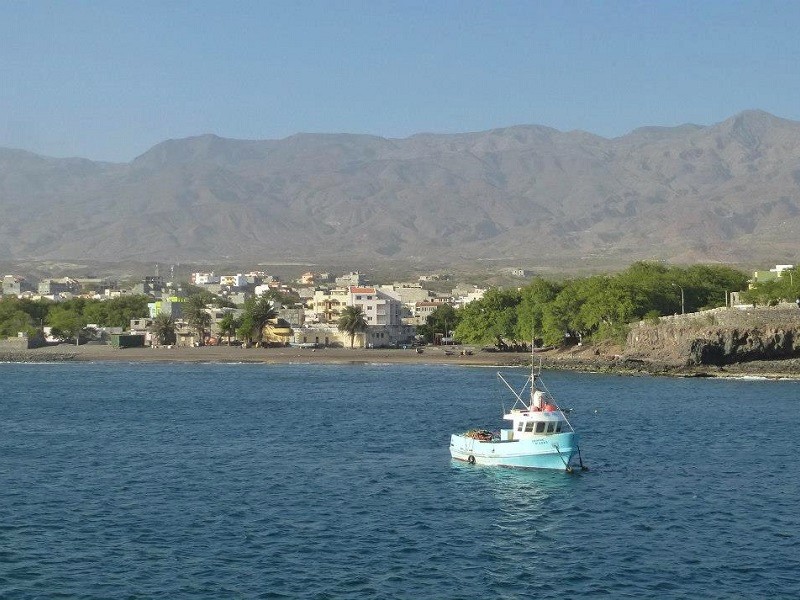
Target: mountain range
{"type": "Point", "coordinates": [527, 196]}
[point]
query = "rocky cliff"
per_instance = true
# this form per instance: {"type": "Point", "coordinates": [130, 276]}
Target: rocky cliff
{"type": "Point", "coordinates": [721, 336]}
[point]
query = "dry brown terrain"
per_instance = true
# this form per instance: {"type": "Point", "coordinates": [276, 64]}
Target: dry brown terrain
{"type": "Point", "coordinates": [526, 196]}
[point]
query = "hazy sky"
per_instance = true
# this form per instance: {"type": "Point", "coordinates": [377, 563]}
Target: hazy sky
{"type": "Point", "coordinates": [107, 80]}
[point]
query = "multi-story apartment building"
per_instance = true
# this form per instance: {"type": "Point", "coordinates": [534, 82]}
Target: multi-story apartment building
{"type": "Point", "coordinates": [172, 306]}
{"type": "Point", "coordinates": [328, 304]}
{"type": "Point", "coordinates": [380, 307]}
{"type": "Point", "coordinates": [53, 287]}
{"type": "Point", "coordinates": [16, 286]}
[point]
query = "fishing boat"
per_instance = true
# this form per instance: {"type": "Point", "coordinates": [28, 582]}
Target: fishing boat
{"type": "Point", "coordinates": [540, 436]}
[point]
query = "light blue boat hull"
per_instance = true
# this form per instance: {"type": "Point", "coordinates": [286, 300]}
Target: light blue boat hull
{"type": "Point", "coordinates": [548, 452]}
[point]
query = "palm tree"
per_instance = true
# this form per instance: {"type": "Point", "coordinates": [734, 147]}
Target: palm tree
{"type": "Point", "coordinates": [258, 313]}
{"type": "Point", "coordinates": [229, 324]}
{"type": "Point", "coordinates": [352, 321]}
{"type": "Point", "coordinates": [164, 329]}
{"type": "Point", "coordinates": [196, 316]}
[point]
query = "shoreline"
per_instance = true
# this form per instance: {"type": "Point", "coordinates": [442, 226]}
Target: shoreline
{"type": "Point", "coordinates": [586, 360]}
{"type": "Point", "coordinates": [236, 354]}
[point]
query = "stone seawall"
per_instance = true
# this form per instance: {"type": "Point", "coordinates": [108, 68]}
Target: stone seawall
{"type": "Point", "coordinates": [14, 344]}
{"type": "Point", "coordinates": [718, 337]}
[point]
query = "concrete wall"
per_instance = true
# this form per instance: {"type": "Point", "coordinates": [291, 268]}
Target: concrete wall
{"type": "Point", "coordinates": [23, 342]}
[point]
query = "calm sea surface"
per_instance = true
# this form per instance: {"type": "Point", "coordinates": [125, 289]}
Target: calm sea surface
{"type": "Point", "coordinates": [305, 481]}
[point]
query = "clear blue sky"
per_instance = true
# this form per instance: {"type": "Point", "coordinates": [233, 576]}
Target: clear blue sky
{"type": "Point", "coordinates": [107, 79]}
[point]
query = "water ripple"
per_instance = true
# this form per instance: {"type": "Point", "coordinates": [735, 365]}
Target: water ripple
{"type": "Point", "coordinates": [301, 481]}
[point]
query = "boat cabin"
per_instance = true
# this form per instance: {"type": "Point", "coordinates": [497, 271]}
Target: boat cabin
{"type": "Point", "coordinates": [541, 418]}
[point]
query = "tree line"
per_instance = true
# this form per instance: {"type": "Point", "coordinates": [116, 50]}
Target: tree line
{"type": "Point", "coordinates": [589, 308]}
{"type": "Point", "coordinates": [70, 317]}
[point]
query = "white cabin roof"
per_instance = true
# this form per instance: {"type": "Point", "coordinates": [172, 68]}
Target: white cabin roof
{"type": "Point", "coordinates": [534, 415]}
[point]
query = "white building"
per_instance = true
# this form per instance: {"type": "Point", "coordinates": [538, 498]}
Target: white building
{"type": "Point", "coordinates": [463, 297]}
{"type": "Point", "coordinates": [262, 289]}
{"type": "Point", "coordinates": [380, 307]}
{"type": "Point", "coordinates": [204, 278]}
{"type": "Point", "coordinates": [779, 269]}
{"type": "Point", "coordinates": [238, 280]}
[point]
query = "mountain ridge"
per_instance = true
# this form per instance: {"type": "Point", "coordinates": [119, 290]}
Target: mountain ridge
{"type": "Point", "coordinates": [529, 195]}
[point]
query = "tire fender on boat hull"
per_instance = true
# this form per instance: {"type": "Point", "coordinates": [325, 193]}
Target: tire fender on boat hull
{"type": "Point", "coordinates": [471, 459]}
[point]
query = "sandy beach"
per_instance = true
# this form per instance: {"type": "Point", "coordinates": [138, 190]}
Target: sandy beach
{"type": "Point", "coordinates": [236, 354]}
{"type": "Point", "coordinates": [586, 359]}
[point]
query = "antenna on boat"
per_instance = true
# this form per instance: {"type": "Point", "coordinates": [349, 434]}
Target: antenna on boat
{"type": "Point", "coordinates": [533, 358]}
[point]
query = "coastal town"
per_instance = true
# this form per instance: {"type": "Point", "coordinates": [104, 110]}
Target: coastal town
{"type": "Point", "coordinates": [307, 310]}
{"type": "Point", "coordinates": [684, 324]}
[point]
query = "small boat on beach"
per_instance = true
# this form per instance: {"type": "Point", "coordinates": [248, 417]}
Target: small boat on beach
{"type": "Point", "coordinates": [540, 436]}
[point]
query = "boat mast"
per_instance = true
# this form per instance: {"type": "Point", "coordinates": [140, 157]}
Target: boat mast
{"type": "Point", "coordinates": [533, 375]}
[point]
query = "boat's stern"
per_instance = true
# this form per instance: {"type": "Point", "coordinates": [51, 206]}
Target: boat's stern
{"type": "Point", "coordinates": [468, 448]}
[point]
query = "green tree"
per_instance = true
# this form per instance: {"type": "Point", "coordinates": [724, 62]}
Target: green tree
{"type": "Point", "coordinates": [164, 329]}
{"type": "Point", "coordinates": [490, 320]}
{"type": "Point", "coordinates": [196, 315]}
{"type": "Point", "coordinates": [116, 312]}
{"type": "Point", "coordinates": [443, 319]}
{"type": "Point", "coordinates": [352, 321]}
{"type": "Point", "coordinates": [706, 286]}
{"type": "Point", "coordinates": [284, 299]}
{"type": "Point", "coordinates": [654, 284]}
{"type": "Point", "coordinates": [258, 313]}
{"type": "Point", "coordinates": [208, 298]}
{"type": "Point", "coordinates": [530, 313]}
{"type": "Point", "coordinates": [65, 322]}
{"type": "Point", "coordinates": [609, 307]}
{"type": "Point", "coordinates": [561, 316]}
{"type": "Point", "coordinates": [229, 324]}
{"type": "Point", "coordinates": [246, 328]}
{"type": "Point", "coordinates": [14, 318]}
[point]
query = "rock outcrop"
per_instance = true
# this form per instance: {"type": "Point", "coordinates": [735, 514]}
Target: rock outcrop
{"type": "Point", "coordinates": [720, 336]}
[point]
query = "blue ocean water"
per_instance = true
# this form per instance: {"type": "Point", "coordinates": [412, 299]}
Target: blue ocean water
{"type": "Point", "coordinates": [309, 481]}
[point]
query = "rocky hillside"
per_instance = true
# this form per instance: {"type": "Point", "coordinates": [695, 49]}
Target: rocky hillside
{"type": "Point", "coordinates": [528, 196]}
{"type": "Point", "coordinates": [718, 337]}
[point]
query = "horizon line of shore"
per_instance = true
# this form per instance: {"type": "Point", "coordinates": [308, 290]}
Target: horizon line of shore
{"type": "Point", "coordinates": [610, 364]}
